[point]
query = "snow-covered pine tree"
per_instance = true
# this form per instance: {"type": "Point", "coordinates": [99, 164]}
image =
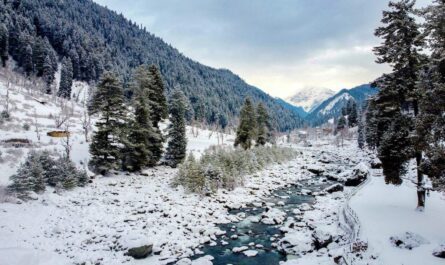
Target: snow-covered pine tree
{"type": "Point", "coordinates": [29, 177]}
{"type": "Point", "coordinates": [177, 141]}
{"type": "Point", "coordinates": [66, 78]}
{"type": "Point", "coordinates": [27, 61]}
{"type": "Point", "coordinates": [106, 146]}
{"type": "Point", "coordinates": [4, 44]}
{"type": "Point", "coordinates": [245, 132]}
{"type": "Point", "coordinates": [341, 123]}
{"type": "Point", "coordinates": [139, 138]}
{"type": "Point", "coordinates": [48, 73]}
{"type": "Point", "coordinates": [352, 113]}
{"type": "Point", "coordinates": [158, 101]}
{"type": "Point", "coordinates": [263, 125]}
{"type": "Point", "coordinates": [431, 121]}
{"type": "Point", "coordinates": [361, 131]}
{"type": "Point", "coordinates": [143, 87]}
{"type": "Point", "coordinates": [397, 100]}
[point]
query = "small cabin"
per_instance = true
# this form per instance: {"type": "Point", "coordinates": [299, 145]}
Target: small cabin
{"type": "Point", "coordinates": [58, 134]}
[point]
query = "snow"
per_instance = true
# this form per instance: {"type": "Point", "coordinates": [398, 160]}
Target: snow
{"type": "Point", "coordinates": [331, 105]}
{"type": "Point", "coordinates": [310, 98]}
{"type": "Point", "coordinates": [387, 211]}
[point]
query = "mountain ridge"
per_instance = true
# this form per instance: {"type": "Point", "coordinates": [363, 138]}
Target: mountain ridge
{"type": "Point", "coordinates": [97, 39]}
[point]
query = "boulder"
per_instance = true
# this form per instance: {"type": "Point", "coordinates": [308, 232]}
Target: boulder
{"type": "Point", "coordinates": [315, 169]}
{"type": "Point", "coordinates": [376, 163]}
{"type": "Point", "coordinates": [140, 252]}
{"type": "Point", "coordinates": [358, 175]}
{"type": "Point", "coordinates": [334, 188]}
{"type": "Point", "coordinates": [439, 252]}
{"type": "Point", "coordinates": [408, 240]}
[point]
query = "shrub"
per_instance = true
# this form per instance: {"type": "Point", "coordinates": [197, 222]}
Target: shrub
{"type": "Point", "coordinates": [41, 169]}
{"type": "Point", "coordinates": [226, 168]}
{"type": "Point", "coordinates": [26, 127]}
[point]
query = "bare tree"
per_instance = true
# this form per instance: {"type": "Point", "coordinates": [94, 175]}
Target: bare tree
{"type": "Point", "coordinates": [86, 122]}
{"type": "Point", "coordinates": [64, 114]}
{"type": "Point", "coordinates": [36, 126]}
{"type": "Point", "coordinates": [66, 141]}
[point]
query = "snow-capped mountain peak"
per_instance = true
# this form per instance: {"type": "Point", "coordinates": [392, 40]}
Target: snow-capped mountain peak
{"type": "Point", "coordinates": [310, 98]}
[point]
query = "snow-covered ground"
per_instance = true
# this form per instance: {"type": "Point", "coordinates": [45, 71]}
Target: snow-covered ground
{"type": "Point", "coordinates": [96, 224]}
{"type": "Point", "coordinates": [387, 211]}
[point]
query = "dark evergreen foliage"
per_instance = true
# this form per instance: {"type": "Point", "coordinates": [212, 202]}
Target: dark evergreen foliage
{"type": "Point", "coordinates": [107, 144]}
{"type": "Point", "coordinates": [245, 132]}
{"type": "Point", "coordinates": [40, 169]}
{"type": "Point", "coordinates": [264, 134]}
{"type": "Point", "coordinates": [66, 78]}
{"type": "Point", "coordinates": [4, 44]}
{"type": "Point", "coordinates": [177, 142]}
{"type": "Point", "coordinates": [97, 40]}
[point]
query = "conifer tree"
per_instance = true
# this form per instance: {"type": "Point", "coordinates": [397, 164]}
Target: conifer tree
{"type": "Point", "coordinates": [4, 44]}
{"type": "Point", "coordinates": [263, 125]}
{"type": "Point", "coordinates": [361, 132]}
{"type": "Point", "coordinates": [29, 177]}
{"type": "Point", "coordinates": [431, 122]}
{"type": "Point", "coordinates": [177, 141]}
{"type": "Point", "coordinates": [48, 73]}
{"type": "Point", "coordinates": [143, 85]}
{"type": "Point", "coordinates": [140, 137]}
{"type": "Point", "coordinates": [106, 147]}
{"type": "Point", "coordinates": [246, 129]}
{"type": "Point", "coordinates": [352, 113]}
{"type": "Point", "coordinates": [27, 63]}
{"type": "Point", "coordinates": [158, 102]}
{"type": "Point", "coordinates": [341, 123]}
{"type": "Point", "coordinates": [66, 78]}
{"type": "Point", "coordinates": [397, 100]}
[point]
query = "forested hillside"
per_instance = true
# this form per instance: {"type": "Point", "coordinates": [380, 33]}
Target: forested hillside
{"type": "Point", "coordinates": [38, 34]}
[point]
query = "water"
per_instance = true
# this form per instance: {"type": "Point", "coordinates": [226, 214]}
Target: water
{"type": "Point", "coordinates": [249, 232]}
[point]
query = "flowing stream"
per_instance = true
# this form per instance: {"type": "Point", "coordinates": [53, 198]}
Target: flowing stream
{"type": "Point", "coordinates": [256, 235]}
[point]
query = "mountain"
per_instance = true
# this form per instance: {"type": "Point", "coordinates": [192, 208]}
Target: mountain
{"type": "Point", "coordinates": [299, 110]}
{"type": "Point", "coordinates": [310, 98]}
{"type": "Point", "coordinates": [96, 39]}
{"type": "Point", "coordinates": [331, 107]}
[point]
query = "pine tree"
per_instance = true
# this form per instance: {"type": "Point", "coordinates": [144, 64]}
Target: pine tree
{"type": "Point", "coordinates": [4, 44]}
{"type": "Point", "coordinates": [27, 62]}
{"type": "Point", "coordinates": [139, 140]}
{"type": "Point", "coordinates": [263, 125]}
{"type": "Point", "coordinates": [246, 129]}
{"type": "Point", "coordinates": [158, 102]}
{"type": "Point", "coordinates": [431, 122]}
{"type": "Point", "coordinates": [352, 113]}
{"type": "Point", "coordinates": [177, 141]}
{"type": "Point", "coordinates": [361, 132]}
{"type": "Point", "coordinates": [48, 73]}
{"type": "Point", "coordinates": [66, 78]}
{"type": "Point", "coordinates": [398, 96]}
{"type": "Point", "coordinates": [106, 147]}
{"type": "Point", "coordinates": [341, 123]}
{"type": "Point", "coordinates": [29, 177]}
{"type": "Point", "coordinates": [143, 87]}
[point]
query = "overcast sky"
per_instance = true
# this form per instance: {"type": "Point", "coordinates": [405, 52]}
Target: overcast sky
{"type": "Point", "coordinates": [280, 46]}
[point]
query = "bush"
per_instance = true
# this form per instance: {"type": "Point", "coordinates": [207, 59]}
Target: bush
{"type": "Point", "coordinates": [26, 127]}
{"type": "Point", "coordinates": [226, 168]}
{"type": "Point", "coordinates": [41, 169]}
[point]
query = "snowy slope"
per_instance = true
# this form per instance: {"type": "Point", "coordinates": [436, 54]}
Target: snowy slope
{"type": "Point", "coordinates": [331, 107]}
{"type": "Point", "coordinates": [386, 211]}
{"type": "Point", "coordinates": [310, 98]}
{"type": "Point", "coordinates": [26, 110]}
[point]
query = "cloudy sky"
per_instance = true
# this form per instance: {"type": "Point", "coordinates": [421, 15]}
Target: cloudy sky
{"type": "Point", "coordinates": [280, 46]}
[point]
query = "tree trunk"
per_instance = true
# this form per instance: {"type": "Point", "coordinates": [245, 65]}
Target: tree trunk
{"type": "Point", "coordinates": [420, 185]}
